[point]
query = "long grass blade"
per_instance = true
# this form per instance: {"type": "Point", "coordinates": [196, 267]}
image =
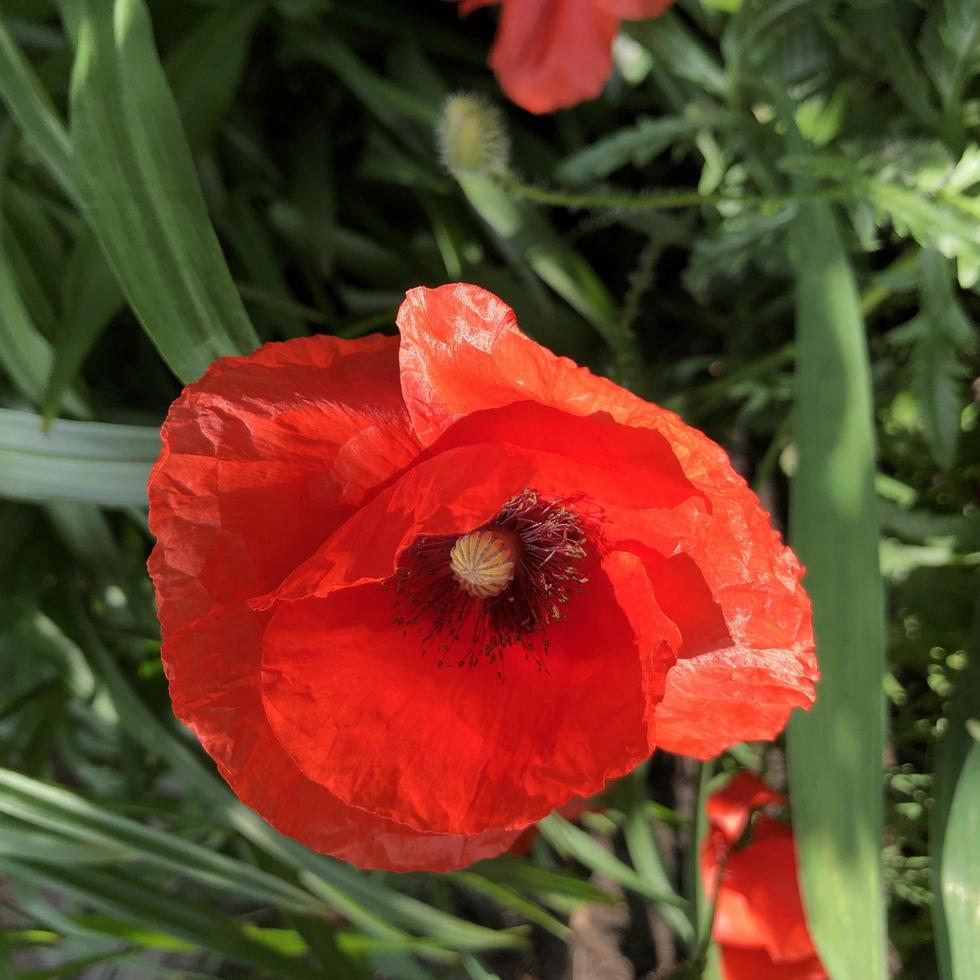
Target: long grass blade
{"type": "Point", "coordinates": [96, 462]}
{"type": "Point", "coordinates": [955, 825]}
{"type": "Point", "coordinates": [141, 194]}
{"type": "Point", "coordinates": [835, 750]}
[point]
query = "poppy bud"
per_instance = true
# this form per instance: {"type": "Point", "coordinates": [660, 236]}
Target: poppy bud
{"type": "Point", "coordinates": [471, 135]}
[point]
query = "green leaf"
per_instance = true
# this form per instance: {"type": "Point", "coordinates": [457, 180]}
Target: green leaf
{"type": "Point", "coordinates": [835, 749]}
{"type": "Point", "coordinates": [92, 298]}
{"type": "Point", "coordinates": [206, 67]}
{"type": "Point", "coordinates": [937, 374]}
{"type": "Point", "coordinates": [509, 897]}
{"type": "Point", "coordinates": [31, 107]}
{"type": "Point", "coordinates": [44, 805]}
{"type": "Point", "coordinates": [120, 895]}
{"type": "Point", "coordinates": [97, 462]}
{"type": "Point", "coordinates": [954, 823]}
{"type": "Point", "coordinates": [636, 145]}
{"type": "Point", "coordinates": [568, 838]}
{"type": "Point", "coordinates": [139, 190]}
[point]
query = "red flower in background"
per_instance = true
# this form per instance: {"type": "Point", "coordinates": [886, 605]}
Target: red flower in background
{"type": "Point", "coordinates": [760, 924]}
{"type": "Point", "coordinates": [551, 54]}
{"type": "Point", "coordinates": [415, 594]}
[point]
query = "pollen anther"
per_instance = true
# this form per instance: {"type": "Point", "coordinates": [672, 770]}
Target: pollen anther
{"type": "Point", "coordinates": [483, 562]}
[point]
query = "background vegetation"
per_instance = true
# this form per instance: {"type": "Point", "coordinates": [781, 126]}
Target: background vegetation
{"type": "Point", "coordinates": [769, 223]}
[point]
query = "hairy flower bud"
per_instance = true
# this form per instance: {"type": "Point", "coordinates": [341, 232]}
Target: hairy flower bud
{"type": "Point", "coordinates": [471, 135]}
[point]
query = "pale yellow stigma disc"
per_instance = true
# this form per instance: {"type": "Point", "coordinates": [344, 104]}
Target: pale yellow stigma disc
{"type": "Point", "coordinates": [483, 562]}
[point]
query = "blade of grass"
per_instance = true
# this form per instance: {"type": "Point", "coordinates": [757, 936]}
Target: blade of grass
{"type": "Point", "coordinates": [92, 297]}
{"type": "Point", "coordinates": [73, 817]}
{"type": "Point", "coordinates": [95, 462]}
{"type": "Point", "coordinates": [643, 851]}
{"type": "Point", "coordinates": [202, 925]}
{"type": "Point", "coordinates": [835, 750]}
{"type": "Point", "coordinates": [31, 107]}
{"type": "Point", "coordinates": [511, 898]}
{"type": "Point", "coordinates": [206, 67]}
{"type": "Point", "coordinates": [137, 183]}
{"type": "Point", "coordinates": [569, 839]}
{"type": "Point", "coordinates": [954, 827]}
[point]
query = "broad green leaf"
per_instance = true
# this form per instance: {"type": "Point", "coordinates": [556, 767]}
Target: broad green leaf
{"type": "Point", "coordinates": [140, 193]}
{"type": "Point", "coordinates": [96, 462]}
{"type": "Point", "coordinates": [835, 749]}
{"type": "Point", "coordinates": [954, 824]}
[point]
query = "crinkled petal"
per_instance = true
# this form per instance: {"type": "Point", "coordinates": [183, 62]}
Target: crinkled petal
{"type": "Point", "coordinates": [262, 459]}
{"type": "Point", "coordinates": [214, 671]}
{"type": "Point", "coordinates": [363, 706]}
{"type": "Point", "coordinates": [759, 902]}
{"type": "Point", "coordinates": [551, 54]}
{"type": "Point", "coordinates": [757, 964]}
{"type": "Point", "coordinates": [489, 457]}
{"type": "Point", "coordinates": [462, 352]}
{"type": "Point", "coordinates": [731, 808]}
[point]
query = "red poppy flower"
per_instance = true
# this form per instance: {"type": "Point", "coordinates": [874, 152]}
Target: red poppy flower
{"type": "Point", "coordinates": [415, 594]}
{"type": "Point", "coordinates": [760, 925]}
{"type": "Point", "coordinates": [551, 54]}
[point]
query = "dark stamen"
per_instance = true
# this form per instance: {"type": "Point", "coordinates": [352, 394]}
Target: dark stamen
{"type": "Point", "coordinates": [452, 592]}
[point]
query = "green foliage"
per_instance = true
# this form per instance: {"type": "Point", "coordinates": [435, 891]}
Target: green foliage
{"type": "Point", "coordinates": [182, 180]}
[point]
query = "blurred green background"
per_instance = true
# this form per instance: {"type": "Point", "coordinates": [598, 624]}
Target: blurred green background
{"type": "Point", "coordinates": [769, 222]}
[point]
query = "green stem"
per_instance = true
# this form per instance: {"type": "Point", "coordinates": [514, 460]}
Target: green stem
{"type": "Point", "coordinates": [654, 200]}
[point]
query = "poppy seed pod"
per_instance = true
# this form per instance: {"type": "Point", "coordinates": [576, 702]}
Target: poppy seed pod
{"type": "Point", "coordinates": [471, 136]}
{"type": "Point", "coordinates": [417, 592]}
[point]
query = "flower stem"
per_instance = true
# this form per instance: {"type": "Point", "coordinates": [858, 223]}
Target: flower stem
{"type": "Point", "coordinates": [652, 200]}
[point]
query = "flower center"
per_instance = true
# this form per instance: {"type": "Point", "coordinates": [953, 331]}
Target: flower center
{"type": "Point", "coordinates": [483, 562]}
{"type": "Point", "coordinates": [475, 594]}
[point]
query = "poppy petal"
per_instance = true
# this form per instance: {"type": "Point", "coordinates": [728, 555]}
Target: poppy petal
{"type": "Point", "coordinates": [459, 750]}
{"type": "Point", "coordinates": [463, 352]}
{"type": "Point", "coordinates": [457, 488]}
{"type": "Point", "coordinates": [759, 902]}
{"type": "Point", "coordinates": [230, 722]}
{"type": "Point", "coordinates": [551, 54]}
{"type": "Point", "coordinates": [634, 9]}
{"type": "Point", "coordinates": [731, 808]}
{"type": "Point", "coordinates": [262, 458]}
{"type": "Point", "coordinates": [757, 964]}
